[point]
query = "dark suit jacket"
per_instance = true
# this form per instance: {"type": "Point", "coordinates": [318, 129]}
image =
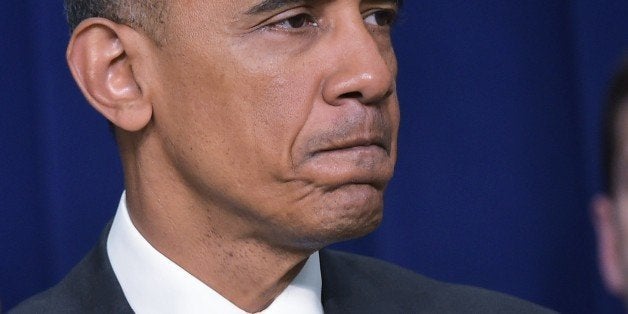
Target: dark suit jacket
{"type": "Point", "coordinates": [351, 284]}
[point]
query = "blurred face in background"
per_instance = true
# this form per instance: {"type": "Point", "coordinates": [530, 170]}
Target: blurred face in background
{"type": "Point", "coordinates": [611, 215]}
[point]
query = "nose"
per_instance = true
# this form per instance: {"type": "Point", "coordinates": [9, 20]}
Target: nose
{"type": "Point", "coordinates": [363, 67]}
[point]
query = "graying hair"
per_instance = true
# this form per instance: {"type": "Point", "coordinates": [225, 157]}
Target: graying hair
{"type": "Point", "coordinates": [143, 15]}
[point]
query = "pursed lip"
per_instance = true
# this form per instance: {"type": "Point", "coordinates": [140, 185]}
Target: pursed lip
{"type": "Point", "coordinates": [376, 142]}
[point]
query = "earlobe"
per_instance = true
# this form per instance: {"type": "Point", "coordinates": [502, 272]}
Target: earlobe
{"type": "Point", "coordinates": [609, 250]}
{"type": "Point", "coordinates": [100, 57]}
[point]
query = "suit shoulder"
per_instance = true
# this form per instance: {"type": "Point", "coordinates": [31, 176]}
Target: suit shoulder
{"type": "Point", "coordinates": [90, 287]}
{"type": "Point", "coordinates": [409, 291]}
{"type": "Point", "coordinates": [48, 301]}
{"type": "Point", "coordinates": [64, 297]}
{"type": "Point", "coordinates": [72, 298]}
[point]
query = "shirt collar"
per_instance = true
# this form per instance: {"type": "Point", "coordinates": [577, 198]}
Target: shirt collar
{"type": "Point", "coordinates": [152, 283]}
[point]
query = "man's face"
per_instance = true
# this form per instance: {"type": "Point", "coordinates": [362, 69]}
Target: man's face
{"type": "Point", "coordinates": [282, 114]}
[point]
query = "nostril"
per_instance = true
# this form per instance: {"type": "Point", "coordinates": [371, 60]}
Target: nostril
{"type": "Point", "coordinates": [388, 93]}
{"type": "Point", "coordinates": [356, 95]}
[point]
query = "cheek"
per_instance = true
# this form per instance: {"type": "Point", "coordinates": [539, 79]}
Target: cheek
{"type": "Point", "coordinates": [395, 116]}
{"type": "Point", "coordinates": [277, 111]}
{"type": "Point", "coordinates": [243, 113]}
{"type": "Point", "coordinates": [622, 228]}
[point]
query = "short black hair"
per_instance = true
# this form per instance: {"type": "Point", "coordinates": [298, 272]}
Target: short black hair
{"type": "Point", "coordinates": [617, 99]}
{"type": "Point", "coordinates": [144, 15]}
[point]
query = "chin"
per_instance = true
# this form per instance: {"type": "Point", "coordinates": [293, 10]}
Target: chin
{"type": "Point", "coordinates": [345, 213]}
{"type": "Point", "coordinates": [355, 229]}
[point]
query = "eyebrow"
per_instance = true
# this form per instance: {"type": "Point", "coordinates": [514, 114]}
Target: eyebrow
{"type": "Point", "coordinates": [272, 5]}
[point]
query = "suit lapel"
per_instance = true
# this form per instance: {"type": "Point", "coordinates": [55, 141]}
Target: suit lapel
{"type": "Point", "coordinates": [96, 283]}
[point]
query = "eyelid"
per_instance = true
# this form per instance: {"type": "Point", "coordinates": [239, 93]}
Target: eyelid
{"type": "Point", "coordinates": [284, 16]}
{"type": "Point", "coordinates": [392, 12]}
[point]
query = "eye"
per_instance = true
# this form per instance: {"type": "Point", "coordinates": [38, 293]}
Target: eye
{"type": "Point", "coordinates": [380, 18]}
{"type": "Point", "coordinates": [296, 22]}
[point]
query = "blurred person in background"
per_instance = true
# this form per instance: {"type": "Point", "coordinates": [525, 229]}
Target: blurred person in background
{"type": "Point", "coordinates": [610, 208]}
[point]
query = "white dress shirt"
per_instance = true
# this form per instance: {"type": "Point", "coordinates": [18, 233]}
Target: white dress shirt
{"type": "Point", "coordinates": [152, 283]}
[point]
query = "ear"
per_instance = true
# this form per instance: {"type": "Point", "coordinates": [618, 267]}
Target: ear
{"type": "Point", "coordinates": [102, 56]}
{"type": "Point", "coordinates": [608, 243]}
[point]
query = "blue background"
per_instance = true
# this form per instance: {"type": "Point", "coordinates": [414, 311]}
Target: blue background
{"type": "Point", "coordinates": [498, 148]}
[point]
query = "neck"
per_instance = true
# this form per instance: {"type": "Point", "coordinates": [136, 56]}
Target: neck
{"type": "Point", "coordinates": [208, 241]}
{"type": "Point", "coordinates": [247, 272]}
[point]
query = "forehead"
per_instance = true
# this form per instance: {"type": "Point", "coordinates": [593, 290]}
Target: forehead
{"type": "Point", "coordinates": [269, 5]}
{"type": "Point", "coordinates": [260, 6]}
